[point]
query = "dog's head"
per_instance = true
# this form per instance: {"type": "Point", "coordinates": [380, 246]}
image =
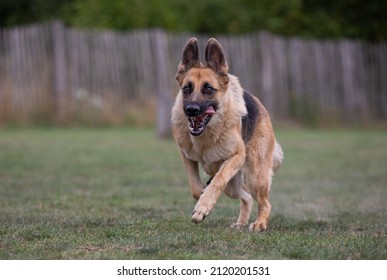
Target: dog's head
{"type": "Point", "coordinates": [202, 85]}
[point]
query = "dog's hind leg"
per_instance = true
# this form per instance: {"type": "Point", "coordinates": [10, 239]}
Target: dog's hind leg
{"type": "Point", "coordinates": [261, 193]}
{"type": "Point", "coordinates": [236, 190]}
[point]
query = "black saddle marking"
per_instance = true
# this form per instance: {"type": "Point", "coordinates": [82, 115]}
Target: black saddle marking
{"type": "Point", "coordinates": [249, 121]}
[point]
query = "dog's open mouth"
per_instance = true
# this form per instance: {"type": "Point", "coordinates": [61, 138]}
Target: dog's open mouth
{"type": "Point", "coordinates": [197, 124]}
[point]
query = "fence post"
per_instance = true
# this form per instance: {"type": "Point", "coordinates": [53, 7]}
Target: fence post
{"type": "Point", "coordinates": [163, 89]}
{"type": "Point", "coordinates": [267, 75]}
{"type": "Point", "coordinates": [350, 106]}
{"type": "Point", "coordinates": [3, 107]}
{"type": "Point", "coordinates": [59, 69]}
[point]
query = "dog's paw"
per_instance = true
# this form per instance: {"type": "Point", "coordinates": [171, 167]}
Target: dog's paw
{"type": "Point", "coordinates": [205, 204]}
{"type": "Point", "coordinates": [199, 214]}
{"type": "Point", "coordinates": [238, 226]}
{"type": "Point", "coordinates": [258, 226]}
{"type": "Point", "coordinates": [202, 209]}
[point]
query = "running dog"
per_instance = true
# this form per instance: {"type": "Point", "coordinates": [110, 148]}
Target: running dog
{"type": "Point", "coordinates": [228, 132]}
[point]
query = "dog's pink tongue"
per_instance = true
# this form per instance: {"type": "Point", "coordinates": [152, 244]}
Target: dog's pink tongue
{"type": "Point", "coordinates": [210, 110]}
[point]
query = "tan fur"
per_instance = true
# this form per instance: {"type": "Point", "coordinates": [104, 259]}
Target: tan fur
{"type": "Point", "coordinates": [242, 171]}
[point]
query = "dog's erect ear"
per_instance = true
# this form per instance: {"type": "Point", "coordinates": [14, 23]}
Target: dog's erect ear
{"type": "Point", "coordinates": [215, 58]}
{"type": "Point", "coordinates": [189, 59]}
{"type": "Point", "coordinates": [190, 54]}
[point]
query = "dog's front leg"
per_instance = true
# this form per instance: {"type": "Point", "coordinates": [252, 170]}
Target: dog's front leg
{"type": "Point", "coordinates": [212, 193]}
{"type": "Point", "coordinates": [192, 168]}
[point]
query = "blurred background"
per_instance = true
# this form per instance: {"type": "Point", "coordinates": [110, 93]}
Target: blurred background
{"type": "Point", "coordinates": [71, 190]}
{"type": "Point", "coordinates": [112, 62]}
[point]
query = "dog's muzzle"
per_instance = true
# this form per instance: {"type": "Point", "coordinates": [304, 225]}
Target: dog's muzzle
{"type": "Point", "coordinates": [199, 115]}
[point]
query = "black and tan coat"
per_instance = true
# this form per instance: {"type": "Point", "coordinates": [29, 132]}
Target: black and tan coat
{"type": "Point", "coordinates": [228, 132]}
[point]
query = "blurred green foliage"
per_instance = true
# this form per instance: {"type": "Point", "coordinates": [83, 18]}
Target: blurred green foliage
{"type": "Point", "coordinates": [306, 18]}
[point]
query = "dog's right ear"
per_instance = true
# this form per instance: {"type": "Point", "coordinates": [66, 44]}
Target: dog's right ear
{"type": "Point", "coordinates": [190, 58]}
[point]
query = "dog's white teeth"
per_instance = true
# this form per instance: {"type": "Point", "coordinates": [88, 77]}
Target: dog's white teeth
{"type": "Point", "coordinates": [198, 123]}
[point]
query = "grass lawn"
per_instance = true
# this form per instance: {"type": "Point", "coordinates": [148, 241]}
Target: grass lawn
{"type": "Point", "coordinates": [121, 193]}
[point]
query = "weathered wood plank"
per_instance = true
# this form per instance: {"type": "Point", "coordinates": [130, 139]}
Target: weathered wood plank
{"type": "Point", "coordinates": [50, 68]}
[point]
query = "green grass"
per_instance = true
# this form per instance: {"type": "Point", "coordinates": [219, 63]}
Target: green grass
{"type": "Point", "coordinates": [121, 193]}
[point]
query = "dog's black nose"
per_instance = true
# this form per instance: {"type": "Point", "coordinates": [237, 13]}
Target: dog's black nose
{"type": "Point", "coordinates": [192, 109]}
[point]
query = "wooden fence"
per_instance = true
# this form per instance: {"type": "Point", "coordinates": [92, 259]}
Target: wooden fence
{"type": "Point", "coordinates": [51, 72]}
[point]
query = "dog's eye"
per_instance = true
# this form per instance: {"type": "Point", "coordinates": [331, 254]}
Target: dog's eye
{"type": "Point", "coordinates": [208, 90]}
{"type": "Point", "coordinates": [187, 89]}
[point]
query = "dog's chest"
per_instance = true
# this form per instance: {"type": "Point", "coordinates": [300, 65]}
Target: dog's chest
{"type": "Point", "coordinates": [211, 156]}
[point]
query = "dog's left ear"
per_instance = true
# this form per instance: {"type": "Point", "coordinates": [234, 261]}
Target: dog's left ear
{"type": "Point", "coordinates": [215, 58]}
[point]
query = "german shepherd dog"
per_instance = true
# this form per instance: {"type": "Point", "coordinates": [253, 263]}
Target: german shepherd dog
{"type": "Point", "coordinates": [228, 132]}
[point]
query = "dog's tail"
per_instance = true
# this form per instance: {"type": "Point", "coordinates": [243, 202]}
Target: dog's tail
{"type": "Point", "coordinates": [278, 156]}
